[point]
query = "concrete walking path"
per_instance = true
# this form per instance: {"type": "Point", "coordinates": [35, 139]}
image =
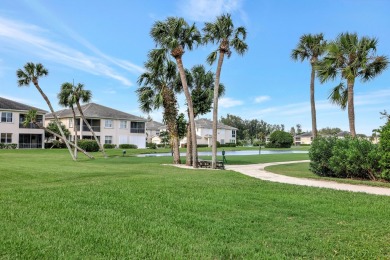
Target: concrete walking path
{"type": "Point", "coordinates": [257, 171]}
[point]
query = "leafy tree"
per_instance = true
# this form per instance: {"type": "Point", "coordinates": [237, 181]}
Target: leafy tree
{"type": "Point", "coordinates": [384, 146]}
{"type": "Point", "coordinates": [310, 47]}
{"type": "Point", "coordinates": [329, 131]}
{"type": "Point", "coordinates": [165, 138]}
{"type": "Point", "coordinates": [31, 73]}
{"type": "Point", "coordinates": [299, 129]}
{"type": "Point", "coordinates": [280, 139]}
{"type": "Point", "coordinates": [157, 89]}
{"type": "Point", "coordinates": [173, 36]}
{"type": "Point", "coordinates": [237, 122]}
{"type": "Point", "coordinates": [54, 129]}
{"type": "Point", "coordinates": [222, 32]}
{"type": "Point", "coordinates": [292, 131]}
{"type": "Point", "coordinates": [351, 58]}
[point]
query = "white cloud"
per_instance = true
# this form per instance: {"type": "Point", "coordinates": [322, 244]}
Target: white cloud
{"type": "Point", "coordinates": [208, 10]}
{"type": "Point", "coordinates": [17, 35]}
{"type": "Point", "coordinates": [229, 102]}
{"type": "Point", "coordinates": [261, 99]}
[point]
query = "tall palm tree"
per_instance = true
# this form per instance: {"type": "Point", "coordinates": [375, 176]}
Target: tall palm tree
{"type": "Point", "coordinates": [173, 36]}
{"type": "Point", "coordinates": [223, 33]}
{"type": "Point", "coordinates": [157, 89]}
{"type": "Point", "coordinates": [310, 47]}
{"type": "Point", "coordinates": [201, 83]}
{"type": "Point", "coordinates": [350, 57]}
{"type": "Point", "coordinates": [31, 73]}
{"type": "Point", "coordinates": [66, 99]}
{"type": "Point", "coordinates": [31, 117]}
{"type": "Point", "coordinates": [85, 96]}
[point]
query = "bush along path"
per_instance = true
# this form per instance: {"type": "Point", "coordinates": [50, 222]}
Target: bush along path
{"type": "Point", "coordinates": [257, 171]}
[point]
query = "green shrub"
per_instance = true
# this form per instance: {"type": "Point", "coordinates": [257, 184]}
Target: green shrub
{"type": "Point", "coordinates": [280, 139]}
{"type": "Point", "coordinates": [8, 146]}
{"type": "Point", "coordinates": [345, 158]}
{"type": "Point", "coordinates": [2, 145]}
{"type": "Point", "coordinates": [384, 148]}
{"type": "Point", "coordinates": [88, 145]}
{"type": "Point", "coordinates": [151, 145]}
{"type": "Point", "coordinates": [128, 146]}
{"type": "Point", "coordinates": [109, 146]}
{"type": "Point", "coordinates": [227, 145]}
{"type": "Point", "coordinates": [202, 145]}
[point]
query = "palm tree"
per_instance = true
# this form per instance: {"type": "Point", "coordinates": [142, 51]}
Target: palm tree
{"type": "Point", "coordinates": [201, 83]}
{"type": "Point", "coordinates": [157, 89]}
{"type": "Point", "coordinates": [31, 73]}
{"type": "Point", "coordinates": [66, 99]}
{"type": "Point", "coordinates": [310, 47]}
{"type": "Point", "coordinates": [223, 33]}
{"type": "Point", "coordinates": [85, 96]}
{"type": "Point", "coordinates": [351, 58]}
{"type": "Point", "coordinates": [31, 117]}
{"type": "Point", "coordinates": [173, 36]}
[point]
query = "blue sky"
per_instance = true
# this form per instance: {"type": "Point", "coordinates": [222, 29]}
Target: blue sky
{"type": "Point", "coordinates": [103, 44]}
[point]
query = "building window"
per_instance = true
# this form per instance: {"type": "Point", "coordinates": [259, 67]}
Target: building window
{"type": "Point", "coordinates": [232, 141]}
{"type": "Point", "coordinates": [123, 124]}
{"type": "Point", "coordinates": [108, 140]}
{"type": "Point", "coordinates": [108, 123]}
{"type": "Point", "coordinates": [70, 122]}
{"type": "Point", "coordinates": [233, 133]}
{"type": "Point", "coordinates": [137, 127]}
{"type": "Point", "coordinates": [157, 133]}
{"type": "Point", "coordinates": [6, 117]}
{"type": "Point", "coordinates": [6, 138]}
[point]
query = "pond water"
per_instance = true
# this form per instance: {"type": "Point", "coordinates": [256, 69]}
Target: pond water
{"type": "Point", "coordinates": [227, 153]}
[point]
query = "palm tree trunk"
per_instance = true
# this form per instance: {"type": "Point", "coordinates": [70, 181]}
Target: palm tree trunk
{"type": "Point", "coordinates": [190, 111]}
{"type": "Point", "coordinates": [351, 108]}
{"type": "Point", "coordinates": [176, 151]}
{"type": "Point", "coordinates": [63, 139]}
{"type": "Point", "coordinates": [55, 118]}
{"type": "Point", "coordinates": [215, 111]}
{"type": "Point", "coordinates": [90, 129]}
{"type": "Point", "coordinates": [75, 130]}
{"type": "Point", "coordinates": [189, 146]}
{"type": "Point", "coordinates": [312, 103]}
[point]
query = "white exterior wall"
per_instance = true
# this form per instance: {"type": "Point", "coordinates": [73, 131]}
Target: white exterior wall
{"type": "Point", "coordinates": [13, 127]}
{"type": "Point", "coordinates": [119, 135]}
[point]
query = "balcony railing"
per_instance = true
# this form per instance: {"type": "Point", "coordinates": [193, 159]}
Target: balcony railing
{"type": "Point", "coordinates": [31, 125]}
{"type": "Point", "coordinates": [86, 129]}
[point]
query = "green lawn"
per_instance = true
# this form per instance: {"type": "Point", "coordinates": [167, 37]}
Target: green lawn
{"type": "Point", "coordinates": [129, 207]}
{"type": "Point", "coordinates": [301, 170]}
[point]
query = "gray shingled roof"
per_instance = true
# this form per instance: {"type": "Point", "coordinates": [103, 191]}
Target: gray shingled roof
{"type": "Point", "coordinates": [153, 125]}
{"type": "Point", "coordinates": [305, 135]}
{"type": "Point", "coordinates": [205, 123]}
{"type": "Point", "coordinates": [92, 110]}
{"type": "Point", "coordinates": [7, 104]}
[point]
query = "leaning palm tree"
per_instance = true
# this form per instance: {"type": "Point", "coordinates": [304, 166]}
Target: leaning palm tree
{"type": "Point", "coordinates": [31, 73]}
{"type": "Point", "coordinates": [31, 117]}
{"type": "Point", "coordinates": [157, 89]}
{"type": "Point", "coordinates": [351, 58]}
{"type": "Point", "coordinates": [223, 33]}
{"type": "Point", "coordinates": [201, 83]}
{"type": "Point", "coordinates": [173, 36]}
{"type": "Point", "coordinates": [310, 47]}
{"type": "Point", "coordinates": [66, 99]}
{"type": "Point", "coordinates": [85, 96]}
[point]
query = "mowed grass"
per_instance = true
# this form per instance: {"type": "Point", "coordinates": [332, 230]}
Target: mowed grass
{"type": "Point", "coordinates": [301, 170]}
{"type": "Point", "coordinates": [129, 207]}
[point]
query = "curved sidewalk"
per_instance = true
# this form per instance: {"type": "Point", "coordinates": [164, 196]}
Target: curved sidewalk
{"type": "Point", "coordinates": [257, 171]}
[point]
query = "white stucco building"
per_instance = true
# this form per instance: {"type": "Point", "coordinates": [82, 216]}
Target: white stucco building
{"type": "Point", "coordinates": [12, 129]}
{"type": "Point", "coordinates": [110, 126]}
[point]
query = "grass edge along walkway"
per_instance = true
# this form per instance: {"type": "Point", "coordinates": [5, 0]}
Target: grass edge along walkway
{"type": "Point", "coordinates": [258, 171]}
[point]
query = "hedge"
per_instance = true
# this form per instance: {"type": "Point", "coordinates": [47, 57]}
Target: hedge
{"type": "Point", "coordinates": [109, 146]}
{"type": "Point", "coordinates": [8, 146]}
{"type": "Point", "coordinates": [128, 146]}
{"type": "Point", "coordinates": [88, 145]}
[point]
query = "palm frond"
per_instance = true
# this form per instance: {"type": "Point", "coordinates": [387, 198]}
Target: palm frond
{"type": "Point", "coordinates": [339, 96]}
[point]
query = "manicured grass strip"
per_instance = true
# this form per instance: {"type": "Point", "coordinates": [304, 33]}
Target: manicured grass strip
{"type": "Point", "coordinates": [121, 207]}
{"type": "Point", "coordinates": [301, 170]}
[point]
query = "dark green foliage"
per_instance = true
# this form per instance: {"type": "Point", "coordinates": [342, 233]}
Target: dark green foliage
{"type": "Point", "coordinates": [384, 146]}
{"type": "Point", "coordinates": [181, 125]}
{"type": "Point", "coordinates": [8, 146]}
{"type": "Point", "coordinates": [88, 145]}
{"type": "Point", "coordinates": [280, 139]}
{"type": "Point", "coordinates": [128, 146]}
{"type": "Point", "coordinates": [55, 144]}
{"type": "Point", "coordinates": [151, 145]}
{"type": "Point", "coordinates": [109, 146]}
{"type": "Point", "coordinates": [54, 128]}
{"type": "Point", "coordinates": [345, 158]}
